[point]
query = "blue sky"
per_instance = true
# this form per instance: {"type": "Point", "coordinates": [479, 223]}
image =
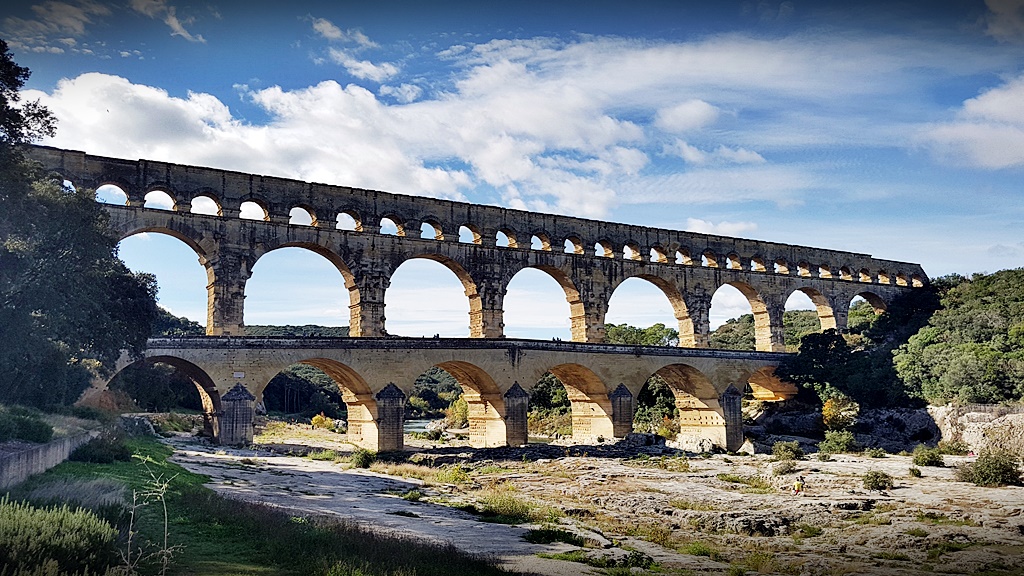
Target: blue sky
{"type": "Point", "coordinates": [890, 128]}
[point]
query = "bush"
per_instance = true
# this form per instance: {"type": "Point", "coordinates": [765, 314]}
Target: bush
{"type": "Point", "coordinates": [362, 458]}
{"type": "Point", "coordinates": [76, 540]}
{"type": "Point", "coordinates": [876, 453]}
{"type": "Point", "coordinates": [457, 415]}
{"type": "Point", "coordinates": [839, 413]}
{"type": "Point", "coordinates": [915, 472]}
{"type": "Point", "coordinates": [992, 468]}
{"type": "Point", "coordinates": [106, 448]}
{"type": "Point", "coordinates": [877, 480]}
{"type": "Point", "coordinates": [925, 456]}
{"type": "Point", "coordinates": [323, 422]}
{"type": "Point", "coordinates": [837, 442]}
{"type": "Point", "coordinates": [787, 451]}
{"type": "Point", "coordinates": [953, 447]}
{"type": "Point", "coordinates": [783, 468]}
{"type": "Point", "coordinates": [20, 424]}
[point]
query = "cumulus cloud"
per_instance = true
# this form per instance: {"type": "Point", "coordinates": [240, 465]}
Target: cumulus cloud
{"type": "Point", "coordinates": [54, 23]}
{"type": "Point", "coordinates": [686, 116]}
{"type": "Point", "coordinates": [988, 131]}
{"type": "Point", "coordinates": [404, 93]}
{"type": "Point", "coordinates": [168, 13]}
{"type": "Point", "coordinates": [362, 69]}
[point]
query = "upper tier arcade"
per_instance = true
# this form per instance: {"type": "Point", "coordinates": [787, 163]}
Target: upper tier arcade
{"type": "Point", "coordinates": [588, 258]}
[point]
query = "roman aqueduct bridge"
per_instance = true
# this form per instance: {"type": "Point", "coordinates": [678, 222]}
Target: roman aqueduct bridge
{"type": "Point", "coordinates": [484, 246]}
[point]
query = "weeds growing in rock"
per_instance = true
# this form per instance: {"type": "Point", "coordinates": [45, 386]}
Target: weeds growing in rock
{"type": "Point", "coordinates": [992, 468]}
{"type": "Point", "coordinates": [701, 548]}
{"type": "Point", "coordinates": [876, 453]}
{"type": "Point", "coordinates": [914, 472]}
{"type": "Point", "coordinates": [362, 458]}
{"type": "Point", "coordinates": [783, 468]}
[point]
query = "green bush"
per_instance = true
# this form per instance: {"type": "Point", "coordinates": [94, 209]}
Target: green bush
{"type": "Point", "coordinates": [953, 447]}
{"type": "Point", "coordinates": [992, 468]}
{"type": "Point", "coordinates": [915, 472]}
{"type": "Point", "coordinates": [363, 458]}
{"type": "Point", "coordinates": [75, 540]}
{"type": "Point", "coordinates": [107, 448]}
{"type": "Point", "coordinates": [17, 423]}
{"type": "Point", "coordinates": [783, 468]}
{"type": "Point", "coordinates": [787, 451]}
{"type": "Point", "coordinates": [877, 480]}
{"type": "Point", "coordinates": [876, 453]}
{"type": "Point", "coordinates": [837, 442]}
{"type": "Point", "coordinates": [925, 456]}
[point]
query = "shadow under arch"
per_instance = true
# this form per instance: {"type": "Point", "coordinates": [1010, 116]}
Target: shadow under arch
{"type": "Point", "coordinates": [477, 328]}
{"type": "Point", "coordinates": [588, 396]}
{"type": "Point", "coordinates": [874, 300]}
{"type": "Point", "coordinates": [486, 404]}
{"type": "Point", "coordinates": [766, 386]}
{"type": "Point", "coordinates": [208, 393]}
{"type": "Point", "coordinates": [359, 400]}
{"type": "Point", "coordinates": [687, 337]}
{"type": "Point", "coordinates": [577, 311]}
{"type": "Point", "coordinates": [762, 320]}
{"type": "Point", "coordinates": [826, 315]}
{"type": "Point", "coordinates": [355, 327]}
{"type": "Point", "coordinates": [701, 417]}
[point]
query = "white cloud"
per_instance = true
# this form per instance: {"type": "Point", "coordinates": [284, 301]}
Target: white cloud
{"type": "Point", "coordinates": [686, 116]}
{"type": "Point", "coordinates": [362, 69]}
{"type": "Point", "coordinates": [988, 131]}
{"type": "Point", "coordinates": [54, 22]}
{"type": "Point", "coordinates": [724, 228]}
{"type": "Point", "coordinates": [693, 155]}
{"type": "Point", "coordinates": [329, 31]}
{"type": "Point", "coordinates": [404, 93]}
{"type": "Point", "coordinates": [168, 13]}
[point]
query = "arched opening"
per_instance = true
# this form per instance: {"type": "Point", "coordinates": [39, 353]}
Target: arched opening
{"type": "Point", "coordinates": [630, 251]}
{"type": "Point", "coordinates": [540, 241]}
{"type": "Point", "coordinates": [824, 271]}
{"type": "Point", "coordinates": [550, 415]}
{"type": "Point", "coordinates": [573, 245]}
{"type": "Point", "coordinates": [300, 392]}
{"type": "Point", "coordinates": [883, 277]}
{"type": "Point", "coordinates": [484, 404]}
{"type": "Point", "coordinates": [391, 227]}
{"type": "Point", "coordinates": [656, 411]}
{"type": "Point", "coordinates": [603, 249]}
{"type": "Point", "coordinates": [865, 275]}
{"type": "Point", "coordinates": [348, 221]}
{"type": "Point", "coordinates": [766, 386]}
{"type": "Point", "coordinates": [709, 260]}
{"type": "Point", "coordinates": [916, 281]}
{"type": "Point", "coordinates": [543, 303]}
{"type": "Point", "coordinates": [470, 235]}
{"type": "Point", "coordinates": [252, 210]}
{"type": "Point", "coordinates": [658, 255]}
{"type": "Point", "coordinates": [590, 408]}
{"type": "Point", "coordinates": [757, 264]}
{"type": "Point", "coordinates": [736, 311]}
{"type": "Point", "coordinates": [653, 305]}
{"type": "Point", "coordinates": [174, 391]}
{"type": "Point", "coordinates": [803, 270]}
{"type": "Point", "coordinates": [845, 273]}
{"type": "Point", "coordinates": [160, 200]}
{"type": "Point", "coordinates": [807, 311]}
{"type": "Point", "coordinates": [454, 309]}
{"type": "Point", "coordinates": [111, 194]}
{"type": "Point", "coordinates": [683, 257]}
{"type": "Point", "coordinates": [733, 261]}
{"type": "Point", "coordinates": [901, 279]}
{"type": "Point", "coordinates": [505, 239]}
{"type": "Point", "coordinates": [431, 230]}
{"type": "Point", "coordinates": [178, 264]}
{"type": "Point", "coordinates": [301, 216]}
{"type": "Point", "coordinates": [300, 288]}
{"type": "Point", "coordinates": [862, 315]}
{"type": "Point", "coordinates": [700, 421]}
{"type": "Point", "coordinates": [781, 266]}
{"type": "Point", "coordinates": [205, 205]}
{"type": "Point", "coordinates": [360, 406]}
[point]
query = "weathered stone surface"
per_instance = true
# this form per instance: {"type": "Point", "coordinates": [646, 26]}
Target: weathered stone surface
{"type": "Point", "coordinates": [982, 426]}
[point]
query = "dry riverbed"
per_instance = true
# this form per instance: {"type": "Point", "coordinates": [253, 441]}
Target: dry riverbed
{"type": "Point", "coordinates": [696, 515]}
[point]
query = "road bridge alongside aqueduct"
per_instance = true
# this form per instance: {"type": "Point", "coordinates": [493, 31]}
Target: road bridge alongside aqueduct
{"type": "Point", "coordinates": [376, 375]}
{"type": "Point", "coordinates": [485, 247]}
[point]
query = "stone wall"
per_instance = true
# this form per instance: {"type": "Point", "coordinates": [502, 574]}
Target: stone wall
{"type": "Point", "coordinates": [17, 466]}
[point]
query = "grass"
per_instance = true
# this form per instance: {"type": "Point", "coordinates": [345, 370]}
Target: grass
{"type": "Point", "coordinates": [754, 484]}
{"type": "Point", "coordinates": [701, 548]}
{"type": "Point", "coordinates": [691, 505]}
{"type": "Point", "coordinates": [670, 463]}
{"type": "Point", "coordinates": [324, 455]}
{"type": "Point", "coordinates": [220, 536]}
{"type": "Point", "coordinates": [936, 519]}
{"type": "Point", "coordinates": [943, 548]}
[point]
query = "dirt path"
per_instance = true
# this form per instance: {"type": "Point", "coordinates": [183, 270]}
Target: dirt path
{"type": "Point", "coordinates": [683, 513]}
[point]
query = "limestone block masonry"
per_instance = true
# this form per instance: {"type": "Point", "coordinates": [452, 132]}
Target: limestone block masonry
{"type": "Point", "coordinates": [485, 247]}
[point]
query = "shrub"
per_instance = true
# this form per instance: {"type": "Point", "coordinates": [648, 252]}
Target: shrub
{"type": "Point", "coordinates": [323, 422]}
{"type": "Point", "coordinates": [502, 504]}
{"type": "Point", "coordinates": [783, 468]}
{"type": "Point", "coordinates": [76, 540]}
{"type": "Point", "coordinates": [953, 447]}
{"type": "Point", "coordinates": [877, 480]}
{"type": "Point", "coordinates": [21, 424]}
{"type": "Point", "coordinates": [925, 456]}
{"type": "Point", "coordinates": [992, 468]}
{"type": "Point", "coordinates": [824, 457]}
{"type": "Point", "coordinates": [106, 448]}
{"type": "Point", "coordinates": [915, 472]}
{"type": "Point", "coordinates": [362, 458]}
{"type": "Point", "coordinates": [456, 416]}
{"type": "Point", "coordinates": [787, 451]}
{"type": "Point", "coordinates": [322, 455]}
{"type": "Point", "coordinates": [552, 535]}
{"type": "Point", "coordinates": [839, 413]}
{"type": "Point", "coordinates": [699, 548]}
{"type": "Point", "coordinates": [452, 475]}
{"type": "Point", "coordinates": [837, 442]}
{"type": "Point", "coordinates": [876, 453]}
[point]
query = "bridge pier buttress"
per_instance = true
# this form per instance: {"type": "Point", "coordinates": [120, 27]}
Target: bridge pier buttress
{"type": "Point", "coordinates": [698, 305]}
{"type": "Point", "coordinates": [487, 315]}
{"type": "Point", "coordinates": [390, 419]}
{"type": "Point", "coordinates": [235, 419]}
{"type": "Point", "coordinates": [623, 408]}
{"type": "Point", "coordinates": [367, 316]}
{"type": "Point", "coordinates": [775, 327]}
{"type": "Point", "coordinates": [517, 404]}
{"type": "Point", "coordinates": [228, 271]}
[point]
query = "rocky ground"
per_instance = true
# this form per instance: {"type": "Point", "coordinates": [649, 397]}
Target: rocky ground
{"type": "Point", "coordinates": [688, 514]}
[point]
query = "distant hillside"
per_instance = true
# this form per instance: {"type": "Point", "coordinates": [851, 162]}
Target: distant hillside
{"type": "Point", "coordinates": [306, 331]}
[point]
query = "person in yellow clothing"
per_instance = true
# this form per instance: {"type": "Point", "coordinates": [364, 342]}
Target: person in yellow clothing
{"type": "Point", "coordinates": [798, 486]}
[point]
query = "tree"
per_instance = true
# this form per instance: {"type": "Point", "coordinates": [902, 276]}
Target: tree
{"type": "Point", "coordinates": [657, 335]}
{"type": "Point", "coordinates": [67, 303]}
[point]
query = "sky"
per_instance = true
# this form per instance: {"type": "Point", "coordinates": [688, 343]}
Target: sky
{"type": "Point", "coordinates": [895, 129]}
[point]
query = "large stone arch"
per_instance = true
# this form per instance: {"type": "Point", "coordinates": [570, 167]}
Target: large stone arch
{"type": "Point", "coordinates": [671, 291]}
{"type": "Point", "coordinates": [209, 394]}
{"type": "Point", "coordinates": [486, 404]}
{"type": "Point", "coordinates": [826, 314]}
{"type": "Point", "coordinates": [363, 429]}
{"type": "Point", "coordinates": [591, 408]}
{"type": "Point", "coordinates": [702, 416]}
{"type": "Point", "coordinates": [577, 309]}
{"type": "Point", "coordinates": [355, 308]}
{"type": "Point", "coordinates": [768, 334]}
{"type": "Point", "coordinates": [765, 385]}
{"type": "Point", "coordinates": [477, 321]}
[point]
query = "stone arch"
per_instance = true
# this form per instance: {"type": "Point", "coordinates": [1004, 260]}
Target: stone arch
{"type": "Point", "coordinates": [658, 254]}
{"type": "Point", "coordinates": [208, 392]}
{"type": "Point", "coordinates": [684, 323]}
{"type": "Point", "coordinates": [876, 301]}
{"type": "Point", "coordinates": [631, 251]}
{"type": "Point", "coordinates": [540, 240]}
{"type": "Point", "coordinates": [766, 386]}
{"type": "Point", "coordinates": [824, 271]}
{"type": "Point", "coordinates": [683, 257]}
{"type": "Point", "coordinates": [254, 209]}
{"type": "Point", "coordinates": [591, 408]}
{"type": "Point", "coordinates": [577, 312]}
{"type": "Point", "coordinates": [573, 245]}
{"type": "Point", "coordinates": [472, 234]}
{"type": "Point", "coordinates": [708, 259]}
{"type": "Point", "coordinates": [803, 269]}
{"type": "Point", "coordinates": [203, 206]}
{"type": "Point", "coordinates": [826, 315]}
{"type": "Point", "coordinates": [733, 262]}
{"type": "Point", "coordinates": [917, 281]}
{"type": "Point", "coordinates": [757, 264]}
{"type": "Point", "coordinates": [762, 318]}
{"type": "Point", "coordinates": [701, 415]}
{"type": "Point", "coordinates": [901, 279]}
{"type": "Point", "coordinates": [300, 213]}
{"type": "Point", "coordinates": [781, 266]}
{"type": "Point", "coordinates": [359, 399]}
{"type": "Point", "coordinates": [510, 238]}
{"type": "Point", "coordinates": [155, 196]}
{"type": "Point", "coordinates": [476, 319]}
{"type": "Point", "coordinates": [114, 191]}
{"type": "Point", "coordinates": [355, 327]}
{"type": "Point", "coordinates": [398, 223]}
{"type": "Point", "coordinates": [603, 249]}
{"type": "Point", "coordinates": [430, 229]}
{"type": "Point", "coordinates": [486, 404]}
{"type": "Point", "coordinates": [864, 275]}
{"type": "Point", "coordinates": [343, 216]}
{"type": "Point", "coordinates": [883, 277]}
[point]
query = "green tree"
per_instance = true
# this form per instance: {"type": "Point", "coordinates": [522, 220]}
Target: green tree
{"type": "Point", "coordinates": [67, 303]}
{"type": "Point", "coordinates": [657, 335]}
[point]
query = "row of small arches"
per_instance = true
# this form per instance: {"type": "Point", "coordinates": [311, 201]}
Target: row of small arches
{"type": "Point", "coordinates": [507, 238]}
